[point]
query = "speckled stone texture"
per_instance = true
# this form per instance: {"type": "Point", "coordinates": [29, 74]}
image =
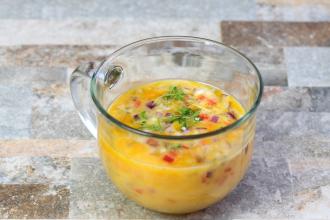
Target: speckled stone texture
{"type": "Point", "coordinates": [49, 165]}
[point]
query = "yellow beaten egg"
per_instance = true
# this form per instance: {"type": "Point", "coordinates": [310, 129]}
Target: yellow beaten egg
{"type": "Point", "coordinates": [174, 175]}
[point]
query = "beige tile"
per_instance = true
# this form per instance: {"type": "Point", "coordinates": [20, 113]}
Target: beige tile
{"type": "Point", "coordinates": [50, 147]}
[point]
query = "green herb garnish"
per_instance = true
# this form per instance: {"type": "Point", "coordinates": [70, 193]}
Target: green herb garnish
{"type": "Point", "coordinates": [153, 127]}
{"type": "Point", "coordinates": [143, 118]}
{"type": "Point", "coordinates": [174, 146]}
{"type": "Point", "coordinates": [186, 117]}
{"type": "Point", "coordinates": [144, 125]}
{"type": "Point", "coordinates": [174, 93]}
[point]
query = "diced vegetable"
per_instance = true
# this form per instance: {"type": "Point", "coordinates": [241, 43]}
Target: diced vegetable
{"type": "Point", "coordinates": [231, 115]}
{"type": "Point", "coordinates": [137, 103]}
{"type": "Point", "coordinates": [211, 102]}
{"type": "Point", "coordinates": [136, 117]}
{"type": "Point", "coordinates": [185, 117]}
{"type": "Point", "coordinates": [174, 93]}
{"type": "Point", "coordinates": [214, 118]}
{"type": "Point", "coordinates": [168, 158]}
{"type": "Point", "coordinates": [151, 104]}
{"type": "Point", "coordinates": [152, 142]}
{"type": "Point", "coordinates": [203, 116]}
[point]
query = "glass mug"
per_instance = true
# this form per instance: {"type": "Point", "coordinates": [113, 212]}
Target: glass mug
{"type": "Point", "coordinates": [165, 188]}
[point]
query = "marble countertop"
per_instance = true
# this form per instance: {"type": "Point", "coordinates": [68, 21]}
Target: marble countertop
{"type": "Point", "coordinates": [49, 167]}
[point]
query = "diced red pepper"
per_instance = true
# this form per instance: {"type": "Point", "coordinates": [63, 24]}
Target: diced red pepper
{"type": "Point", "coordinates": [137, 103]}
{"type": "Point", "coordinates": [170, 157]}
{"type": "Point", "coordinates": [203, 116]}
{"type": "Point", "coordinates": [201, 97]}
{"type": "Point", "coordinates": [211, 102]}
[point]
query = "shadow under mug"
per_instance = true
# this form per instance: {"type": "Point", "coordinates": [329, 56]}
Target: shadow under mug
{"type": "Point", "coordinates": [164, 188]}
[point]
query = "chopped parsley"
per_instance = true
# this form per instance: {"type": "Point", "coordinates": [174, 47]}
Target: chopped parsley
{"type": "Point", "coordinates": [153, 127]}
{"type": "Point", "coordinates": [143, 118]}
{"type": "Point", "coordinates": [174, 146]}
{"type": "Point", "coordinates": [186, 117]}
{"type": "Point", "coordinates": [174, 93]}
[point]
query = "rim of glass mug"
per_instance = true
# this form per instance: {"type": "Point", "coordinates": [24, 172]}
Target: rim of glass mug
{"type": "Point", "coordinates": [139, 43]}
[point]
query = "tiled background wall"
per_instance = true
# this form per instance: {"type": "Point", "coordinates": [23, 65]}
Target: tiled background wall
{"type": "Point", "coordinates": [48, 160]}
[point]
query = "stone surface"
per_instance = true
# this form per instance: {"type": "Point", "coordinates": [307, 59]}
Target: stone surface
{"type": "Point", "coordinates": [31, 170]}
{"type": "Point", "coordinates": [312, 203]}
{"type": "Point", "coordinates": [272, 125]}
{"type": "Point", "coordinates": [53, 55]}
{"type": "Point", "coordinates": [270, 63]}
{"type": "Point", "coordinates": [311, 186]}
{"type": "Point", "coordinates": [54, 116]}
{"type": "Point", "coordinates": [140, 9]}
{"type": "Point", "coordinates": [40, 102]}
{"type": "Point", "coordinates": [309, 99]}
{"type": "Point", "coordinates": [294, 10]}
{"type": "Point", "coordinates": [101, 31]}
{"type": "Point", "coordinates": [272, 33]}
{"type": "Point", "coordinates": [31, 77]}
{"type": "Point", "coordinates": [310, 173]}
{"type": "Point", "coordinates": [305, 146]}
{"type": "Point", "coordinates": [33, 201]}
{"type": "Point", "coordinates": [308, 66]}
{"type": "Point", "coordinates": [15, 111]}
{"type": "Point", "coordinates": [48, 147]}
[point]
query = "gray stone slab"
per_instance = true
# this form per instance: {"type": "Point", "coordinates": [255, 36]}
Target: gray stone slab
{"type": "Point", "coordinates": [320, 99]}
{"type": "Point", "coordinates": [272, 125]}
{"type": "Point", "coordinates": [310, 173]}
{"type": "Point", "coordinates": [38, 105]}
{"type": "Point", "coordinates": [312, 203]}
{"type": "Point", "coordinates": [114, 31]}
{"type": "Point", "coordinates": [308, 66]}
{"type": "Point", "coordinates": [32, 76]}
{"type": "Point", "coordinates": [15, 111]}
{"type": "Point", "coordinates": [294, 99]}
{"type": "Point", "coordinates": [54, 115]}
{"type": "Point", "coordinates": [25, 170]}
{"type": "Point", "coordinates": [305, 146]}
{"type": "Point", "coordinates": [303, 10]}
{"type": "Point", "coordinates": [148, 9]}
{"type": "Point", "coordinates": [270, 62]}
{"type": "Point", "coordinates": [288, 99]}
{"type": "Point", "coordinates": [22, 88]}
{"type": "Point", "coordinates": [311, 186]}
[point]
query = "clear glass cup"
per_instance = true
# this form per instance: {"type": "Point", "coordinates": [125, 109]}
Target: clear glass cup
{"type": "Point", "coordinates": [164, 188]}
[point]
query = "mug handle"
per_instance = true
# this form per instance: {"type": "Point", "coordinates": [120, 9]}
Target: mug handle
{"type": "Point", "coordinates": [80, 81]}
